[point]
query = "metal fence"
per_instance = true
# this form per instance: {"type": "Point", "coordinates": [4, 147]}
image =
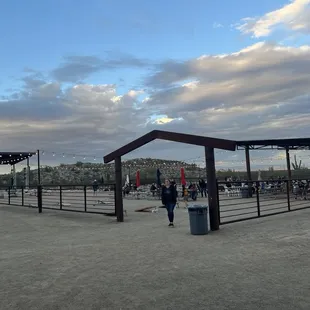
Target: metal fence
{"type": "Point", "coordinates": [260, 199]}
{"type": "Point", "coordinates": [19, 196]}
{"type": "Point", "coordinates": [75, 198]}
{"type": "Point", "coordinates": [236, 203]}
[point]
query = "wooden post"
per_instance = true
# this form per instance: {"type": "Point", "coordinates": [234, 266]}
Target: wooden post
{"type": "Point", "coordinates": [212, 189]}
{"type": "Point", "coordinates": [248, 169]}
{"type": "Point", "coordinates": [14, 176]}
{"type": "Point", "coordinates": [39, 196]}
{"type": "Point", "coordinates": [39, 186]}
{"type": "Point", "coordinates": [288, 165]}
{"type": "Point", "coordinates": [39, 167]}
{"type": "Point", "coordinates": [248, 163]}
{"type": "Point", "coordinates": [27, 185]}
{"type": "Point", "coordinates": [119, 210]}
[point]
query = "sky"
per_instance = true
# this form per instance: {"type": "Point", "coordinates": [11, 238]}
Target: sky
{"type": "Point", "coordinates": [80, 78]}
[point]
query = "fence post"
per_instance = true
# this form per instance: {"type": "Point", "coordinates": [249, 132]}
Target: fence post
{"type": "Point", "coordinates": [39, 196]}
{"type": "Point", "coordinates": [114, 189]}
{"type": "Point", "coordinates": [60, 197]}
{"type": "Point", "coordinates": [9, 195]}
{"type": "Point", "coordinates": [257, 198]}
{"type": "Point", "coordinates": [218, 200]}
{"type": "Point", "coordinates": [288, 195]}
{"type": "Point", "coordinates": [23, 198]}
{"type": "Point", "coordinates": [85, 199]}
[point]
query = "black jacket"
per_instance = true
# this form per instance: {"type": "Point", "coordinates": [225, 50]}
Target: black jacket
{"type": "Point", "coordinates": [169, 195]}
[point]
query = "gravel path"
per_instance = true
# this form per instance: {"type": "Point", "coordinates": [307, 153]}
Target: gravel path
{"type": "Point", "coordinates": [60, 260]}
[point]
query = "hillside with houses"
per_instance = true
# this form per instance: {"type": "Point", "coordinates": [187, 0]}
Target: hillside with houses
{"type": "Point", "coordinates": [85, 173]}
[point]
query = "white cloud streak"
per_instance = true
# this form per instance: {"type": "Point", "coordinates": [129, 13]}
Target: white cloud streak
{"type": "Point", "coordinates": [294, 16]}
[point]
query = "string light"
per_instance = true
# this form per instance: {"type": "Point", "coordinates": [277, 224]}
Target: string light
{"type": "Point", "coordinates": [68, 155]}
{"type": "Point", "coordinates": [194, 159]}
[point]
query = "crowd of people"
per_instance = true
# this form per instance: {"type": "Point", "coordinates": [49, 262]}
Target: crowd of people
{"type": "Point", "coordinates": [169, 193]}
{"type": "Point", "coordinates": [190, 190]}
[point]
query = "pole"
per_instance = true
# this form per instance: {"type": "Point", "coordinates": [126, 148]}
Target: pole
{"type": "Point", "coordinates": [39, 170]}
{"type": "Point", "coordinates": [39, 187]}
{"type": "Point", "coordinates": [288, 163]}
{"type": "Point", "coordinates": [39, 196]}
{"type": "Point", "coordinates": [212, 189]}
{"type": "Point", "coordinates": [248, 169]}
{"type": "Point", "coordinates": [27, 174]}
{"type": "Point", "coordinates": [289, 174]}
{"type": "Point", "coordinates": [248, 163]}
{"type": "Point", "coordinates": [119, 210]}
{"type": "Point", "coordinates": [14, 177]}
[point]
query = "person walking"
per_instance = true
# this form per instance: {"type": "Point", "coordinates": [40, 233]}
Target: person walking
{"type": "Point", "coordinates": [95, 187]}
{"type": "Point", "coordinates": [203, 187]}
{"type": "Point", "coordinates": [169, 200]}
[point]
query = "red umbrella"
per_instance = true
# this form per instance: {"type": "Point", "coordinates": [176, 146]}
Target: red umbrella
{"type": "Point", "coordinates": [138, 178]}
{"type": "Point", "coordinates": [183, 181]}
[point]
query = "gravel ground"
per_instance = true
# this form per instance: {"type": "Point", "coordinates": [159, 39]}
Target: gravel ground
{"type": "Point", "coordinates": [59, 260]}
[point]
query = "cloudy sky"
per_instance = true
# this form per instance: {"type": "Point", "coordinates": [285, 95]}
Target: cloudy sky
{"type": "Point", "coordinates": [81, 78]}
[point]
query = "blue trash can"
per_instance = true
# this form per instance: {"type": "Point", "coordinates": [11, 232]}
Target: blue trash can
{"type": "Point", "coordinates": [198, 219]}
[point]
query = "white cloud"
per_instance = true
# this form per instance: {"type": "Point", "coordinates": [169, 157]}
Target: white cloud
{"type": "Point", "coordinates": [260, 91]}
{"type": "Point", "coordinates": [252, 93]}
{"type": "Point", "coordinates": [217, 25]}
{"type": "Point", "coordinates": [84, 114]}
{"type": "Point", "coordinates": [162, 120]}
{"type": "Point", "coordinates": [295, 16]}
{"type": "Point", "coordinates": [135, 93]}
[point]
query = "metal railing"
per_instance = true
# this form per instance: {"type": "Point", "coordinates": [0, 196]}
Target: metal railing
{"type": "Point", "coordinates": [259, 199]}
{"type": "Point", "coordinates": [19, 196]}
{"type": "Point", "coordinates": [75, 198]}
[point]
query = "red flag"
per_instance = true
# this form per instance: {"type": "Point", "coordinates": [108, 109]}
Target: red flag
{"type": "Point", "coordinates": [183, 181]}
{"type": "Point", "coordinates": [138, 178]}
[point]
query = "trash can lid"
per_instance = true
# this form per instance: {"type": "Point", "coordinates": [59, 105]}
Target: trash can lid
{"type": "Point", "coordinates": [197, 207]}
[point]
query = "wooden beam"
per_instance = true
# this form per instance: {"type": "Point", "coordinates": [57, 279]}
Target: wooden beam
{"type": "Point", "coordinates": [119, 209]}
{"type": "Point", "coordinates": [277, 142]}
{"type": "Point", "coordinates": [171, 136]}
{"type": "Point", "coordinates": [248, 163]}
{"type": "Point", "coordinates": [212, 189]}
{"type": "Point", "coordinates": [215, 143]}
{"type": "Point", "coordinates": [131, 146]}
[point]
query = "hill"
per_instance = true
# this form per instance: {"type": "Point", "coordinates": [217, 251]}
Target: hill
{"type": "Point", "coordinates": [85, 173]}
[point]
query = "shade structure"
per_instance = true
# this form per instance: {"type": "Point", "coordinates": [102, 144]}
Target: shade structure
{"type": "Point", "coordinates": [158, 174]}
{"type": "Point", "coordinates": [183, 181]}
{"type": "Point", "coordinates": [223, 144]}
{"type": "Point", "coordinates": [12, 158]}
{"type": "Point", "coordinates": [138, 178]}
